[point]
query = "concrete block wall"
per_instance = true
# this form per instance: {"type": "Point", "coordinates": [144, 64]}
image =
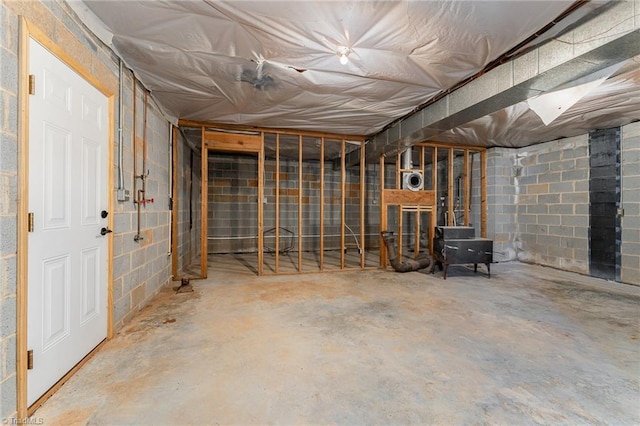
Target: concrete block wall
{"type": "Point", "coordinates": [630, 248]}
{"type": "Point", "coordinates": [548, 186]}
{"type": "Point", "coordinates": [372, 206]}
{"type": "Point", "coordinates": [475, 214]}
{"type": "Point", "coordinates": [553, 204]}
{"type": "Point", "coordinates": [8, 207]}
{"type": "Point", "coordinates": [233, 193]}
{"type": "Point", "coordinates": [502, 197]}
{"type": "Point", "coordinates": [233, 203]}
{"type": "Point", "coordinates": [139, 270]}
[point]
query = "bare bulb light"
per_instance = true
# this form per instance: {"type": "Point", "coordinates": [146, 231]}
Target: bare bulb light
{"type": "Point", "coordinates": [343, 54]}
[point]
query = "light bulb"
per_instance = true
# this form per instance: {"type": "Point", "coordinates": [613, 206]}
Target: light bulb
{"type": "Point", "coordinates": [343, 53]}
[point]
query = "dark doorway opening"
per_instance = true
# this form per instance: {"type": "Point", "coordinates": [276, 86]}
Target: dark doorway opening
{"type": "Point", "coordinates": [604, 195]}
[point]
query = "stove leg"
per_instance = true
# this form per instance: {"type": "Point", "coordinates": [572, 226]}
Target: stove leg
{"type": "Point", "coordinates": [444, 275]}
{"type": "Point", "coordinates": [475, 268]}
{"type": "Point", "coordinates": [488, 269]}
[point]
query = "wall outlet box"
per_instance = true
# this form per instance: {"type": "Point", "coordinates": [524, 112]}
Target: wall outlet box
{"type": "Point", "coordinates": [122, 195]}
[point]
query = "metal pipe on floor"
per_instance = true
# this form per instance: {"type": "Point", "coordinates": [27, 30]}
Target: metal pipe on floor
{"type": "Point", "coordinates": [407, 266]}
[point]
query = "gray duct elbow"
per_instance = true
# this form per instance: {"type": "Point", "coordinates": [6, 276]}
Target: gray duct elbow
{"type": "Point", "coordinates": [407, 266]}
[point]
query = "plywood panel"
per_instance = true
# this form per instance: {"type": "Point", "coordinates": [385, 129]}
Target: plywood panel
{"type": "Point", "coordinates": [232, 142]}
{"type": "Point", "coordinates": [409, 198]}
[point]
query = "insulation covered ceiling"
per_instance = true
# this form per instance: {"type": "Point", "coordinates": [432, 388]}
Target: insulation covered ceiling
{"type": "Point", "coordinates": [612, 102]}
{"type": "Point", "coordinates": [276, 64]}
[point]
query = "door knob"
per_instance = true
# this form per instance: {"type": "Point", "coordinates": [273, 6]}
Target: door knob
{"type": "Point", "coordinates": [104, 214]}
{"type": "Point", "coordinates": [105, 231]}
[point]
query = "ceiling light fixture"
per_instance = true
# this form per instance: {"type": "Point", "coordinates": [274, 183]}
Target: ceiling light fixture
{"type": "Point", "coordinates": [343, 54]}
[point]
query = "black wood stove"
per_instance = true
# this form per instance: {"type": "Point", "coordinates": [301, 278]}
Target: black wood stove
{"type": "Point", "coordinates": [458, 245]}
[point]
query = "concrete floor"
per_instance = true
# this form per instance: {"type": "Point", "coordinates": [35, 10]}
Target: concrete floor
{"type": "Point", "coordinates": [530, 345]}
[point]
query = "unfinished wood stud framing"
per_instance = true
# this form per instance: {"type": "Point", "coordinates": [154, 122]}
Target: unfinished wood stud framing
{"type": "Point", "coordinates": [204, 194]}
{"type": "Point", "coordinates": [363, 201]}
{"type": "Point", "coordinates": [277, 218]}
{"type": "Point", "coordinates": [322, 204]}
{"type": "Point", "coordinates": [427, 200]}
{"type": "Point", "coordinates": [300, 188]}
{"type": "Point", "coordinates": [450, 206]}
{"type": "Point", "coordinates": [239, 142]}
{"type": "Point", "coordinates": [467, 187]}
{"type": "Point", "coordinates": [261, 206]}
{"type": "Point", "coordinates": [483, 196]}
{"type": "Point", "coordinates": [174, 209]}
{"type": "Point", "coordinates": [343, 184]}
{"type": "Point", "coordinates": [383, 216]}
{"type": "Point", "coordinates": [418, 202]}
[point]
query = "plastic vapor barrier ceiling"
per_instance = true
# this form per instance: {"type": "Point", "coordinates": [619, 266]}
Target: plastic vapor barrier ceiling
{"type": "Point", "coordinates": [614, 102]}
{"type": "Point", "coordinates": [276, 64]}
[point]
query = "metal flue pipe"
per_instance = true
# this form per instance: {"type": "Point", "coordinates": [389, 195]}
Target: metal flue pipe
{"type": "Point", "coordinates": [408, 266]}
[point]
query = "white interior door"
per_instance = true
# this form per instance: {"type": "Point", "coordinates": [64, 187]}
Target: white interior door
{"type": "Point", "coordinates": [67, 282]}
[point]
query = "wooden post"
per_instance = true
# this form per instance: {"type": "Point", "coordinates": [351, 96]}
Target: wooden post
{"type": "Point", "coordinates": [261, 207]}
{"type": "Point", "coordinates": [300, 165]}
{"type": "Point", "coordinates": [483, 196]}
{"type": "Point", "coordinates": [204, 243]}
{"type": "Point", "coordinates": [450, 212]}
{"type": "Point", "coordinates": [400, 225]}
{"type": "Point", "coordinates": [416, 243]}
{"type": "Point", "coordinates": [277, 243]}
{"type": "Point", "coordinates": [343, 180]}
{"type": "Point", "coordinates": [23, 211]}
{"type": "Point", "coordinates": [436, 201]}
{"type": "Point", "coordinates": [174, 206]}
{"type": "Point", "coordinates": [467, 188]}
{"type": "Point", "coordinates": [322, 204]}
{"type": "Point", "coordinates": [398, 171]}
{"type": "Point", "coordinates": [363, 199]}
{"type": "Point", "coordinates": [383, 217]}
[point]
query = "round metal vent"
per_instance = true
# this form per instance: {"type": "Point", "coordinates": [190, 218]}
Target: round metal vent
{"type": "Point", "coordinates": [413, 181]}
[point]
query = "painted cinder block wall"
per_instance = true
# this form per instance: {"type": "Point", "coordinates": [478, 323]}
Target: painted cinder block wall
{"type": "Point", "coordinates": [139, 270]}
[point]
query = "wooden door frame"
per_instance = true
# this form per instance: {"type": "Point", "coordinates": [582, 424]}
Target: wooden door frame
{"type": "Point", "coordinates": [28, 30]}
{"type": "Point", "coordinates": [233, 143]}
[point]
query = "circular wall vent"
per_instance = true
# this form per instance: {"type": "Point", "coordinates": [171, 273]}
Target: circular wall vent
{"type": "Point", "coordinates": [413, 181]}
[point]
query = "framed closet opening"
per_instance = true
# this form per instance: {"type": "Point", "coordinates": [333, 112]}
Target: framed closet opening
{"type": "Point", "coordinates": [282, 202]}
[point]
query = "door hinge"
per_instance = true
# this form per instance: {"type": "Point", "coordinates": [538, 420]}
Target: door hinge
{"type": "Point", "coordinates": [32, 84]}
{"type": "Point", "coordinates": [30, 224]}
{"type": "Point", "coordinates": [30, 359]}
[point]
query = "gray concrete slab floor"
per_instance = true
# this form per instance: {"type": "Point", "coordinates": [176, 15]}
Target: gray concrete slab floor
{"type": "Point", "coordinates": [530, 345]}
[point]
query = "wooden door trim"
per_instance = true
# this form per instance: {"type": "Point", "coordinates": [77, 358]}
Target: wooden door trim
{"type": "Point", "coordinates": [237, 144]}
